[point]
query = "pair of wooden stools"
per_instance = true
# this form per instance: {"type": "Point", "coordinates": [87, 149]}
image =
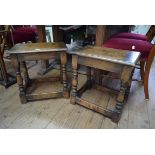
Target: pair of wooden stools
{"type": "Point", "coordinates": [111, 60]}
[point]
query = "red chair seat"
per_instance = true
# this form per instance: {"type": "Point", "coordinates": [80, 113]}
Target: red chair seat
{"type": "Point", "coordinates": [141, 46]}
{"type": "Point", "coordinates": [27, 29]}
{"type": "Point", "coordinates": [130, 36]}
{"type": "Point", "coordinates": [22, 35]}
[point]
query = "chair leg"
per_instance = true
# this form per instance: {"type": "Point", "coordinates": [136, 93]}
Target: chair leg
{"type": "Point", "coordinates": [3, 71]}
{"type": "Point", "coordinates": [147, 71]}
{"type": "Point", "coordinates": [142, 66]}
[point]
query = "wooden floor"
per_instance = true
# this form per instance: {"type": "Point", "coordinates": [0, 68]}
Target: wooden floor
{"type": "Point", "coordinates": [59, 113]}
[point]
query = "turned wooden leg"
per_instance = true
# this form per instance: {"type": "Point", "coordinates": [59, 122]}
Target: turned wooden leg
{"type": "Point", "coordinates": [129, 86]}
{"type": "Point", "coordinates": [119, 103]}
{"type": "Point", "coordinates": [142, 66]}
{"type": "Point", "coordinates": [25, 72]}
{"type": "Point", "coordinates": [16, 65]}
{"type": "Point", "coordinates": [124, 89]}
{"type": "Point", "coordinates": [64, 74]}
{"type": "Point", "coordinates": [74, 78]}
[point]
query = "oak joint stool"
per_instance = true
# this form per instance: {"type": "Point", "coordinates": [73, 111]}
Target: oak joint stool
{"type": "Point", "coordinates": [38, 51]}
{"type": "Point", "coordinates": [110, 60]}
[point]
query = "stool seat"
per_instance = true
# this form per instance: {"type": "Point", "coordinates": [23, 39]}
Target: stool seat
{"type": "Point", "coordinates": [141, 46]}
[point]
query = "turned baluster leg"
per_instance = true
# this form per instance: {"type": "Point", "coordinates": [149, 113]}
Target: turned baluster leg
{"type": "Point", "coordinates": [26, 75]}
{"type": "Point", "coordinates": [74, 78]}
{"type": "Point", "coordinates": [129, 86]}
{"type": "Point", "coordinates": [16, 65]}
{"type": "Point", "coordinates": [64, 74]}
{"type": "Point", "coordinates": [124, 89]}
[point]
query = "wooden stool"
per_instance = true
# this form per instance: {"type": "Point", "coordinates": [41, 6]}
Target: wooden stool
{"type": "Point", "coordinates": [38, 51]}
{"type": "Point", "coordinates": [117, 61]}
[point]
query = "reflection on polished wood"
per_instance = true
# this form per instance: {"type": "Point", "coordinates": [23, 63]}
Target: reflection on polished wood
{"type": "Point", "coordinates": [38, 48]}
{"type": "Point", "coordinates": [110, 55]}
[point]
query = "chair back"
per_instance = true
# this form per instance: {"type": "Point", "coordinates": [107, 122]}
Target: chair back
{"type": "Point", "coordinates": [5, 30]}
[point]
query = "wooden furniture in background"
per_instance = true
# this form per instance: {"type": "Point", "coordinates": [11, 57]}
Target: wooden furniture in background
{"type": "Point", "coordinates": [137, 42]}
{"type": "Point", "coordinates": [104, 32]}
{"type": "Point", "coordinates": [57, 37]}
{"type": "Point", "coordinates": [41, 33]}
{"type": "Point", "coordinates": [42, 38]}
{"type": "Point", "coordinates": [117, 61]}
{"type": "Point", "coordinates": [57, 33]}
{"type": "Point", "coordinates": [19, 34]}
{"type": "Point", "coordinates": [38, 51]}
{"type": "Point", "coordinates": [6, 79]}
{"type": "Point", "coordinates": [101, 34]}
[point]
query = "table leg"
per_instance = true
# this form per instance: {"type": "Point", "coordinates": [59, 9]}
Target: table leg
{"type": "Point", "coordinates": [16, 65]}
{"type": "Point", "coordinates": [74, 78]}
{"type": "Point", "coordinates": [124, 90]}
{"type": "Point", "coordinates": [3, 70]}
{"type": "Point", "coordinates": [64, 74]}
{"type": "Point", "coordinates": [6, 79]}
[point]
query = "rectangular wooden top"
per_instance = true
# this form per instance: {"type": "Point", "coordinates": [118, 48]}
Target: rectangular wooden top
{"type": "Point", "coordinates": [108, 54]}
{"type": "Point", "coordinates": [37, 48]}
